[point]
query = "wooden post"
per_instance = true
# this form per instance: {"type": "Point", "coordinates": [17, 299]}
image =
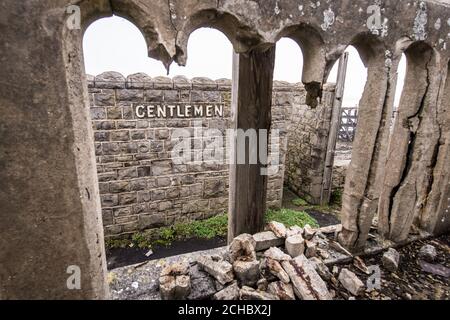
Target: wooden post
{"type": "Point", "coordinates": [251, 109]}
{"type": "Point", "coordinates": [334, 130]}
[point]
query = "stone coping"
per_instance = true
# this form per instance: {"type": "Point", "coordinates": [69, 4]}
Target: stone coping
{"type": "Point", "coordinates": [115, 80]}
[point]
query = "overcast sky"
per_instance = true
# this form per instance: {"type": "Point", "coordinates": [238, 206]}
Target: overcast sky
{"type": "Point", "coordinates": [115, 44]}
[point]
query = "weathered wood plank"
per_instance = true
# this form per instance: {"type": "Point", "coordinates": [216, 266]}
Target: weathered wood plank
{"type": "Point", "coordinates": [251, 109]}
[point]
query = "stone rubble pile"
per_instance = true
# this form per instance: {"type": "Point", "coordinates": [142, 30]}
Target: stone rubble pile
{"type": "Point", "coordinates": [277, 264]}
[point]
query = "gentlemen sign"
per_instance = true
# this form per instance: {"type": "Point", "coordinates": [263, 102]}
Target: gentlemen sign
{"type": "Point", "coordinates": [178, 111]}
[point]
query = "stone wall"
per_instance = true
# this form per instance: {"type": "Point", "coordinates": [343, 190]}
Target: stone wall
{"type": "Point", "coordinates": [307, 146]}
{"type": "Point", "coordinates": [140, 186]}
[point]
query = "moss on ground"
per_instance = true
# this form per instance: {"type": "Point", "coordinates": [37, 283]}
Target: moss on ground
{"type": "Point", "coordinates": [216, 226]}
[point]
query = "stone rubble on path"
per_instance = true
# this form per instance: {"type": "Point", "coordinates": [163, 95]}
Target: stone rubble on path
{"type": "Point", "coordinates": [428, 253]}
{"type": "Point", "coordinates": [351, 282]}
{"type": "Point", "coordinates": [391, 259]}
{"type": "Point", "coordinates": [278, 264]}
{"type": "Point", "coordinates": [175, 282]}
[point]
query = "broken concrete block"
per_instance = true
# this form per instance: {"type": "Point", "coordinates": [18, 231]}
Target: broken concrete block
{"type": "Point", "coordinates": [295, 245]}
{"type": "Point", "coordinates": [308, 285]}
{"type": "Point", "coordinates": [321, 268]}
{"type": "Point", "coordinates": [311, 249]}
{"type": "Point", "coordinates": [175, 269]}
{"type": "Point", "coordinates": [175, 282]}
{"type": "Point", "coordinates": [167, 287]}
{"type": "Point", "coordinates": [242, 248]}
{"type": "Point", "coordinates": [202, 285]}
{"type": "Point", "coordinates": [229, 293]}
{"type": "Point", "coordinates": [221, 270]}
{"type": "Point", "coordinates": [278, 228]}
{"type": "Point", "coordinates": [277, 270]}
{"type": "Point", "coordinates": [391, 259]}
{"type": "Point", "coordinates": [351, 282]}
{"type": "Point", "coordinates": [428, 253]}
{"type": "Point", "coordinates": [247, 272]}
{"type": "Point", "coordinates": [183, 287]}
{"type": "Point", "coordinates": [265, 272]}
{"type": "Point", "coordinates": [174, 287]}
{"type": "Point", "coordinates": [293, 231]}
{"type": "Point", "coordinates": [331, 229]}
{"type": "Point", "coordinates": [265, 240]}
{"type": "Point", "coordinates": [282, 290]}
{"type": "Point", "coordinates": [276, 254]}
{"type": "Point", "coordinates": [247, 293]}
{"type": "Point", "coordinates": [308, 232]}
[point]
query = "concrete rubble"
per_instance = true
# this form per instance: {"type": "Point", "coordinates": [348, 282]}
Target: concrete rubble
{"type": "Point", "coordinates": [271, 265]}
{"type": "Point", "coordinates": [278, 229]}
{"type": "Point", "coordinates": [282, 290]}
{"type": "Point", "coordinates": [247, 293]}
{"type": "Point", "coordinates": [351, 282]}
{"type": "Point", "coordinates": [221, 270]}
{"type": "Point", "coordinates": [308, 232]}
{"type": "Point", "coordinates": [277, 270]}
{"type": "Point", "coordinates": [391, 259]}
{"type": "Point", "coordinates": [229, 293]}
{"type": "Point", "coordinates": [175, 282]}
{"type": "Point", "coordinates": [295, 245]}
{"type": "Point", "coordinates": [265, 240]}
{"type": "Point", "coordinates": [308, 285]}
{"type": "Point", "coordinates": [428, 253]}
{"type": "Point", "coordinates": [267, 267]}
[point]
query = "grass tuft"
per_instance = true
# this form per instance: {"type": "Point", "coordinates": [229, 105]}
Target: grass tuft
{"type": "Point", "coordinates": [299, 202]}
{"type": "Point", "coordinates": [291, 218]}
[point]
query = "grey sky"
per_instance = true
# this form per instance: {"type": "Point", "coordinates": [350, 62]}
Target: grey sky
{"type": "Point", "coordinates": [115, 44]}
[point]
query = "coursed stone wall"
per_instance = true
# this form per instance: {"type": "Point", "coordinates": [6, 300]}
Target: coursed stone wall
{"type": "Point", "coordinates": [308, 133]}
{"type": "Point", "coordinates": [141, 185]}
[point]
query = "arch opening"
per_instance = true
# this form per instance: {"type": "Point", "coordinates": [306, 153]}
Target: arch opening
{"type": "Point", "coordinates": [151, 192]}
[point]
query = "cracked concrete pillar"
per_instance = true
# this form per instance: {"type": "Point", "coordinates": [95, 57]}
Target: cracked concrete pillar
{"type": "Point", "coordinates": [361, 194]}
{"type": "Point", "coordinates": [51, 244]}
{"type": "Point", "coordinates": [435, 218]}
{"type": "Point", "coordinates": [414, 146]}
{"type": "Point", "coordinates": [251, 109]}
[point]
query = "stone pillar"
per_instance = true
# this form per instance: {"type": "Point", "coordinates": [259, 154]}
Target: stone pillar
{"type": "Point", "coordinates": [435, 217]}
{"type": "Point", "coordinates": [414, 148]}
{"type": "Point", "coordinates": [251, 109]}
{"type": "Point", "coordinates": [49, 200]}
{"type": "Point", "coordinates": [362, 186]}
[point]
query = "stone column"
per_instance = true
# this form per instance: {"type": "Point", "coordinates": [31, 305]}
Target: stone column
{"type": "Point", "coordinates": [363, 180]}
{"type": "Point", "coordinates": [414, 147]}
{"type": "Point", "coordinates": [251, 109]}
{"type": "Point", "coordinates": [49, 200]}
